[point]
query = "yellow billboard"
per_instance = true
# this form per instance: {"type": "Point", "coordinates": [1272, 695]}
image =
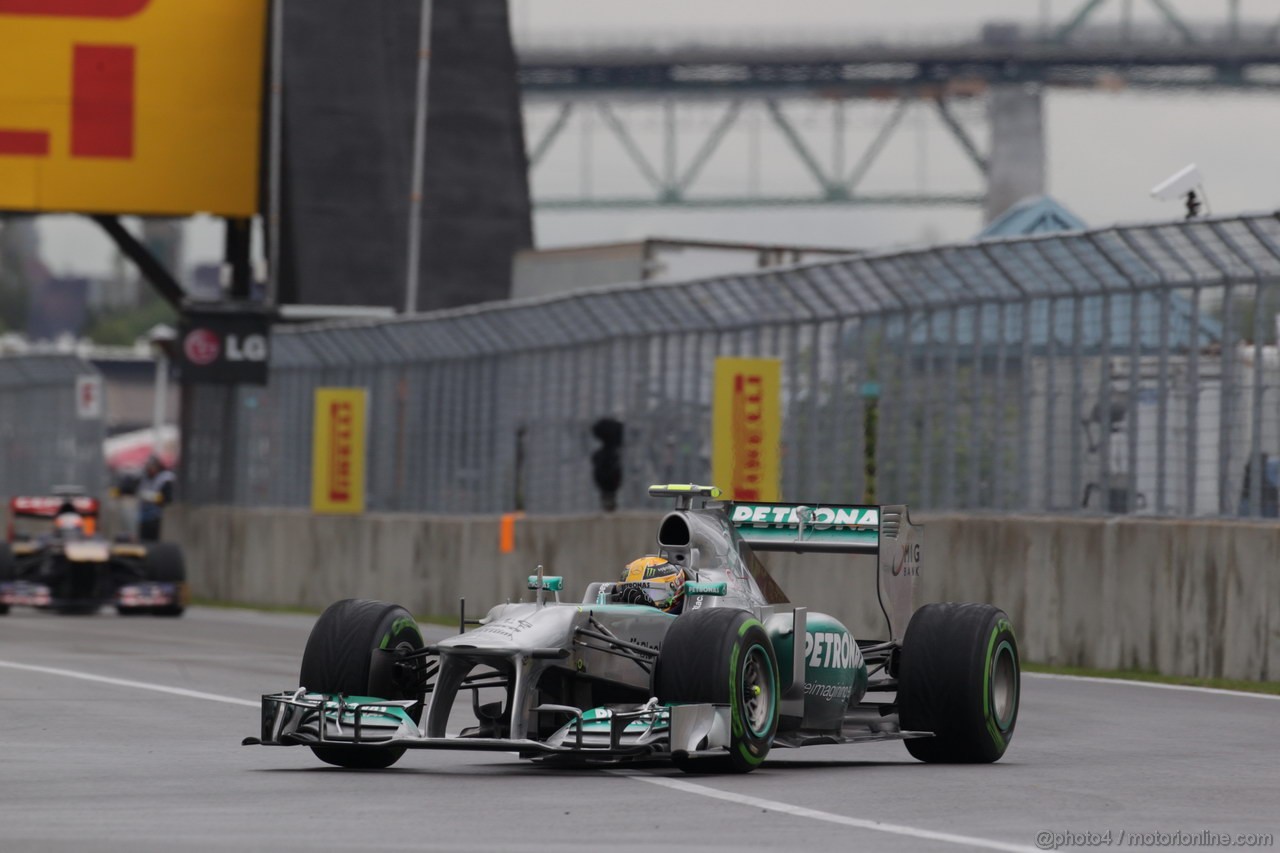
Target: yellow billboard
{"type": "Point", "coordinates": [746, 428]}
{"type": "Point", "coordinates": [131, 106]}
{"type": "Point", "coordinates": [338, 450]}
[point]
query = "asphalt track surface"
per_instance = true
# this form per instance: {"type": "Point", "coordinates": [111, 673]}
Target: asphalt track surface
{"type": "Point", "coordinates": [124, 735]}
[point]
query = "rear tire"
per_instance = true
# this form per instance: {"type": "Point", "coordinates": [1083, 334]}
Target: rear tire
{"type": "Point", "coordinates": [8, 571]}
{"type": "Point", "coordinates": [959, 678]}
{"type": "Point", "coordinates": [338, 659]}
{"type": "Point", "coordinates": [164, 564]}
{"type": "Point", "coordinates": [723, 656]}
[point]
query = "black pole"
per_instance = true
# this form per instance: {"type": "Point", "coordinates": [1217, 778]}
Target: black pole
{"type": "Point", "coordinates": [150, 267]}
{"type": "Point", "coordinates": [237, 258]}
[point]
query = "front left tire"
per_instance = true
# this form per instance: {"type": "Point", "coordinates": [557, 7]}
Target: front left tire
{"type": "Point", "coordinates": [339, 659]}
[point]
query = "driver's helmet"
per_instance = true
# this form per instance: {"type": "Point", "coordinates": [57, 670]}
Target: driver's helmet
{"type": "Point", "coordinates": [660, 583]}
{"type": "Point", "coordinates": [68, 524]}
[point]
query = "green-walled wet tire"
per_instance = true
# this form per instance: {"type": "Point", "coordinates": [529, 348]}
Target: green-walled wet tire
{"type": "Point", "coordinates": [959, 678]}
{"type": "Point", "coordinates": [723, 656]}
{"type": "Point", "coordinates": [338, 659]}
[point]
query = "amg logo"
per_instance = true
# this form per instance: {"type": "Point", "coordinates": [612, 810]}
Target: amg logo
{"type": "Point", "coordinates": [341, 421]}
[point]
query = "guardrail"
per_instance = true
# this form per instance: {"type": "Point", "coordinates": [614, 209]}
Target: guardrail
{"type": "Point", "coordinates": [1196, 598]}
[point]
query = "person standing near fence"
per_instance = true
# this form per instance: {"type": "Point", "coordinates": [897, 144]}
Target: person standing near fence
{"type": "Point", "coordinates": [155, 492]}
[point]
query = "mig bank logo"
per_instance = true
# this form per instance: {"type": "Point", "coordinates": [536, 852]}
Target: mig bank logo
{"type": "Point", "coordinates": [908, 562]}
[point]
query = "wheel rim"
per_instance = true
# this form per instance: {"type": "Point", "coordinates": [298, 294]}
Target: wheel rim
{"type": "Point", "coordinates": [757, 691]}
{"type": "Point", "coordinates": [1004, 686]}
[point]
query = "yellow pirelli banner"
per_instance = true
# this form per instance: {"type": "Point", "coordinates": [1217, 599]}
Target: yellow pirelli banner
{"type": "Point", "coordinates": [338, 450]}
{"type": "Point", "coordinates": [131, 106]}
{"type": "Point", "coordinates": [746, 428]}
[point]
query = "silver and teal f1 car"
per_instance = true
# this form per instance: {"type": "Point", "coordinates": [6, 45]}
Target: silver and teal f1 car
{"type": "Point", "coordinates": [737, 672]}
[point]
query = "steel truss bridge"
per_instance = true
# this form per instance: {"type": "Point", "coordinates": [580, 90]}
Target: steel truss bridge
{"type": "Point", "coordinates": [691, 98]}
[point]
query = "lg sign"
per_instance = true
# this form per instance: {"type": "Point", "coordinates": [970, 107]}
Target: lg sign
{"type": "Point", "coordinates": [202, 347]}
{"type": "Point", "coordinates": [254, 348]}
{"type": "Point", "coordinates": [226, 347]}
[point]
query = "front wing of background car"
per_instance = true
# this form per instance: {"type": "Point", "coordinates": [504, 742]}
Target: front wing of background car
{"type": "Point", "coordinates": [612, 733]}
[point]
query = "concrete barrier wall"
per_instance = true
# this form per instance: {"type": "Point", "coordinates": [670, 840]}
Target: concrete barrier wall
{"type": "Point", "coordinates": [1180, 597]}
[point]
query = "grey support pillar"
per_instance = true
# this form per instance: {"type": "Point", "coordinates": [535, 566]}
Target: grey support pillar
{"type": "Point", "coordinates": [1017, 162]}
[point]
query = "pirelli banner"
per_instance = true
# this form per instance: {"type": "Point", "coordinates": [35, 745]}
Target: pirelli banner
{"type": "Point", "coordinates": [338, 450]}
{"type": "Point", "coordinates": [746, 428]}
{"type": "Point", "coordinates": [131, 106]}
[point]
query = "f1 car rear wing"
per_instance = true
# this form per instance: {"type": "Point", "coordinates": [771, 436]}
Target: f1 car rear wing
{"type": "Point", "coordinates": [48, 506]}
{"type": "Point", "coordinates": [808, 528]}
{"type": "Point", "coordinates": [883, 531]}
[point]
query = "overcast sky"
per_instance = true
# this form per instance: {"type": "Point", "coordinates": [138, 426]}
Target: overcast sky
{"type": "Point", "coordinates": [1105, 150]}
{"type": "Point", "coordinates": [875, 16]}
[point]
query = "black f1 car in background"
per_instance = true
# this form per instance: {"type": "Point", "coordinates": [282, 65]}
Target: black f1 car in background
{"type": "Point", "coordinates": [54, 559]}
{"type": "Point", "coordinates": [737, 672]}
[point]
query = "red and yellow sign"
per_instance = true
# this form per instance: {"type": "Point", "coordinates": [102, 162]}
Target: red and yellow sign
{"type": "Point", "coordinates": [338, 450]}
{"type": "Point", "coordinates": [746, 428]}
{"type": "Point", "coordinates": [131, 106]}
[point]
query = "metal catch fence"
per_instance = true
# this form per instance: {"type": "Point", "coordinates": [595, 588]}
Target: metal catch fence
{"type": "Point", "coordinates": [1125, 370]}
{"type": "Point", "coordinates": [48, 434]}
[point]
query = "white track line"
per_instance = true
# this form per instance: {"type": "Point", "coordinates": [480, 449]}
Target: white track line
{"type": "Point", "coordinates": [1190, 688]}
{"type": "Point", "coordinates": [137, 685]}
{"type": "Point", "coordinates": [828, 817]}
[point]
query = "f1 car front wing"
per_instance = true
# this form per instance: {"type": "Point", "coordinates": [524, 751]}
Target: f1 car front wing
{"type": "Point", "coordinates": [614, 733]}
